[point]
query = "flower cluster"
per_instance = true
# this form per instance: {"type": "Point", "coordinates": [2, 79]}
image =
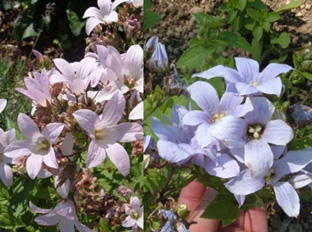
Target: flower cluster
{"type": "Point", "coordinates": [236, 138]}
{"type": "Point", "coordinates": [90, 105]}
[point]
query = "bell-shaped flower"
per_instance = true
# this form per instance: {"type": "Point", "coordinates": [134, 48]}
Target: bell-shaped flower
{"type": "Point", "coordinates": [3, 103]}
{"type": "Point", "coordinates": [159, 60]}
{"type": "Point", "coordinates": [150, 45]}
{"type": "Point", "coordinates": [105, 132]}
{"type": "Point", "coordinates": [247, 79]}
{"type": "Point", "coordinates": [38, 88]}
{"type": "Point", "coordinates": [253, 135]}
{"type": "Point", "coordinates": [64, 214]}
{"type": "Point", "coordinates": [6, 174]}
{"type": "Point", "coordinates": [106, 14]}
{"type": "Point", "coordinates": [135, 214]}
{"type": "Point", "coordinates": [76, 75]}
{"type": "Point", "coordinates": [229, 109]}
{"type": "Point", "coordinates": [38, 145]}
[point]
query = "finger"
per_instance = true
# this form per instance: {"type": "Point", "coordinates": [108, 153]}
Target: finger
{"type": "Point", "coordinates": [232, 229]}
{"type": "Point", "coordinates": [192, 194]}
{"type": "Point", "coordinates": [240, 221]}
{"type": "Point", "coordinates": [256, 220]}
{"type": "Point", "coordinates": [202, 224]}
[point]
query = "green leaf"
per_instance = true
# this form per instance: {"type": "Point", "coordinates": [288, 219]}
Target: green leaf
{"type": "Point", "coordinates": [30, 31]}
{"type": "Point", "coordinates": [283, 40]}
{"type": "Point", "coordinates": [193, 58]}
{"type": "Point", "coordinates": [74, 22]}
{"type": "Point", "coordinates": [4, 195]}
{"type": "Point", "coordinates": [237, 40]}
{"type": "Point", "coordinates": [242, 4]}
{"type": "Point", "coordinates": [8, 220]}
{"type": "Point", "coordinates": [307, 75]}
{"type": "Point", "coordinates": [151, 18]}
{"type": "Point", "coordinates": [253, 14]}
{"type": "Point", "coordinates": [272, 17]}
{"type": "Point", "coordinates": [257, 33]}
{"type": "Point", "coordinates": [289, 6]}
{"type": "Point", "coordinates": [224, 208]}
{"type": "Point", "coordinates": [104, 227]}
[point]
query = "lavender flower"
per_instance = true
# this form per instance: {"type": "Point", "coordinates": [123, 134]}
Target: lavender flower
{"type": "Point", "coordinates": [3, 103]}
{"type": "Point", "coordinates": [247, 79]}
{"type": "Point", "coordinates": [150, 45]}
{"type": "Point", "coordinates": [135, 214]}
{"type": "Point", "coordinates": [159, 59]}
{"type": "Point", "coordinates": [6, 173]}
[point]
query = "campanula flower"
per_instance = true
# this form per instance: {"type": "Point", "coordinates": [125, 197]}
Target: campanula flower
{"type": "Point", "coordinates": [135, 214]}
{"type": "Point", "coordinates": [159, 59]}
{"type": "Point", "coordinates": [151, 44]}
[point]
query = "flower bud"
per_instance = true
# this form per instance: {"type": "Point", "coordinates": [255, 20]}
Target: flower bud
{"type": "Point", "coordinates": [151, 44]}
{"type": "Point", "coordinates": [182, 211]}
{"type": "Point", "coordinates": [159, 60]}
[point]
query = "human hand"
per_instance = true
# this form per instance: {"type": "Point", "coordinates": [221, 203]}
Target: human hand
{"type": "Point", "coordinates": [197, 198]}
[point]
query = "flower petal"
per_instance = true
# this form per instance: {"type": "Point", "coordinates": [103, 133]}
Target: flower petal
{"type": "Point", "coordinates": [68, 144]}
{"type": "Point", "coordinates": [92, 12]}
{"type": "Point", "coordinates": [3, 103]}
{"type": "Point", "coordinates": [91, 24]}
{"type": "Point", "coordinates": [67, 226]}
{"type": "Point", "coordinates": [273, 86]}
{"type": "Point", "coordinates": [244, 183]}
{"type": "Point", "coordinates": [119, 157]}
{"type": "Point", "coordinates": [247, 68]}
{"type": "Point", "coordinates": [205, 96]}
{"type": "Point", "coordinates": [86, 119]}
{"type": "Point", "coordinates": [6, 174]}
{"type": "Point", "coordinates": [262, 113]}
{"type": "Point", "coordinates": [82, 228]}
{"type": "Point", "coordinates": [52, 131]}
{"type": "Point", "coordinates": [196, 117]}
{"type": "Point", "coordinates": [96, 155]}
{"type": "Point", "coordinates": [128, 222]}
{"type": "Point", "coordinates": [228, 74]}
{"type": "Point", "coordinates": [173, 152]}
{"type": "Point", "coordinates": [50, 159]}
{"type": "Point", "coordinates": [137, 112]}
{"type": "Point", "coordinates": [273, 70]}
{"type": "Point", "coordinates": [223, 167]}
{"type": "Point", "coordinates": [278, 132]}
{"type": "Point", "coordinates": [245, 88]}
{"type": "Point", "coordinates": [17, 149]}
{"type": "Point", "coordinates": [36, 209]}
{"type": "Point", "coordinates": [33, 165]}
{"type": "Point", "coordinates": [47, 220]}
{"type": "Point", "coordinates": [258, 157]}
{"type": "Point", "coordinates": [65, 68]}
{"type": "Point", "coordinates": [26, 125]}
{"type": "Point", "coordinates": [287, 198]}
{"type": "Point", "coordinates": [300, 181]}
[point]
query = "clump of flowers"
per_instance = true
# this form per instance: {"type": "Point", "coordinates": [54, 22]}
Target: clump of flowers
{"type": "Point", "coordinates": [93, 106]}
{"type": "Point", "coordinates": [237, 138]}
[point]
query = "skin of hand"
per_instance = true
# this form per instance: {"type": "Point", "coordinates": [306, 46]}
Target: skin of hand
{"type": "Point", "coordinates": [197, 198]}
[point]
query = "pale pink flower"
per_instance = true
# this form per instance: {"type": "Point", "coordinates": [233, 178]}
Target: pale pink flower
{"type": "Point", "coordinates": [105, 132]}
{"type": "Point", "coordinates": [6, 174]}
{"type": "Point", "coordinates": [76, 75]}
{"type": "Point", "coordinates": [38, 145]}
{"type": "Point", "coordinates": [135, 214]}
{"type": "Point", "coordinates": [137, 112]}
{"type": "Point", "coordinates": [63, 214]}
{"type": "Point", "coordinates": [105, 15]}
{"type": "Point", "coordinates": [3, 104]}
{"type": "Point", "coordinates": [38, 88]}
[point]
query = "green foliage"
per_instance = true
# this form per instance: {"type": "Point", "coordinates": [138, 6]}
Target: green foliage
{"type": "Point", "coordinates": [289, 6]}
{"type": "Point", "coordinates": [75, 23]}
{"type": "Point", "coordinates": [151, 18]}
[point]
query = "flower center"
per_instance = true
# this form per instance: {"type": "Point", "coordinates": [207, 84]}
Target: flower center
{"type": "Point", "coordinates": [43, 145]}
{"type": "Point", "coordinates": [134, 214]}
{"type": "Point", "coordinates": [255, 131]}
{"type": "Point", "coordinates": [99, 134]}
{"type": "Point", "coordinates": [255, 84]}
{"type": "Point", "coordinates": [130, 82]}
{"type": "Point", "coordinates": [217, 117]}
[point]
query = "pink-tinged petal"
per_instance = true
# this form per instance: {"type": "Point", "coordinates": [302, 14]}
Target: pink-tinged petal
{"type": "Point", "coordinates": [196, 117]}
{"type": "Point", "coordinates": [48, 220]}
{"type": "Point", "coordinates": [78, 86]}
{"type": "Point", "coordinates": [91, 24]}
{"type": "Point", "coordinates": [173, 152]}
{"type": "Point", "coordinates": [86, 119]}
{"type": "Point", "coordinates": [273, 86]}
{"type": "Point", "coordinates": [50, 159]}
{"type": "Point", "coordinates": [82, 228]}
{"type": "Point", "coordinates": [240, 199]}
{"type": "Point", "coordinates": [140, 222]}
{"type": "Point", "coordinates": [62, 190]}
{"type": "Point", "coordinates": [228, 74]}
{"type": "Point", "coordinates": [119, 157]}
{"type": "Point", "coordinates": [86, 66]}
{"type": "Point", "coordinates": [244, 184]}
{"type": "Point", "coordinates": [134, 59]}
{"type": "Point", "coordinates": [113, 110]}
{"type": "Point", "coordinates": [117, 3]}
{"type": "Point", "coordinates": [300, 181]}
{"type": "Point", "coordinates": [6, 174]}
{"type": "Point", "coordinates": [67, 226]}
{"type": "Point", "coordinates": [128, 132]}
{"type": "Point", "coordinates": [273, 70]}
{"type": "Point", "coordinates": [57, 77]}
{"type": "Point", "coordinates": [105, 6]}
{"type": "Point", "coordinates": [135, 202]}
{"type": "Point", "coordinates": [44, 173]}
{"type": "Point", "coordinates": [139, 84]}
{"type": "Point", "coordinates": [92, 12]}
{"type": "Point", "coordinates": [68, 144]}
{"type": "Point", "coordinates": [138, 112]}
{"type": "Point", "coordinates": [258, 157]}
{"type": "Point", "coordinates": [36, 209]}
{"type": "Point", "coordinates": [112, 17]}
{"type": "Point", "coordinates": [96, 155]}
{"type": "Point", "coordinates": [292, 162]}
{"type": "Point", "coordinates": [3, 103]}
{"type": "Point", "coordinates": [287, 198]}
{"type": "Point", "coordinates": [64, 67]}
{"type": "Point", "coordinates": [128, 222]}
{"type": "Point", "coordinates": [278, 132]}
{"type": "Point", "coordinates": [230, 131]}
{"type": "Point", "coordinates": [247, 68]}
{"type": "Point", "coordinates": [17, 149]}
{"type": "Point", "coordinates": [245, 88]}
{"type": "Point", "coordinates": [10, 136]}
{"type": "Point", "coordinates": [262, 113]}
{"type": "Point", "coordinates": [52, 131]}
{"type": "Point", "coordinates": [26, 125]}
{"type": "Point", "coordinates": [33, 165]}
{"type": "Point", "coordinates": [205, 96]}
